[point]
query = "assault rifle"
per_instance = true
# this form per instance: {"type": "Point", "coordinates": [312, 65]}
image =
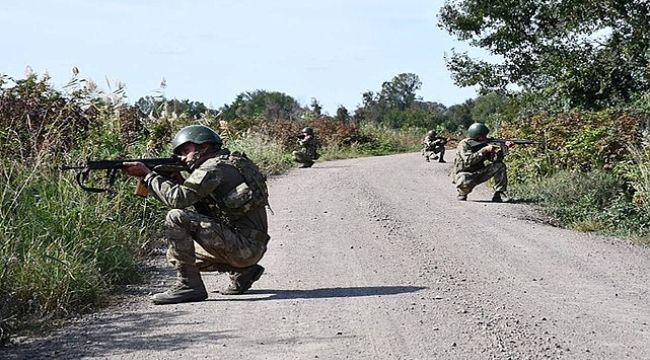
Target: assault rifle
{"type": "Point", "coordinates": [503, 149]}
{"type": "Point", "coordinates": [164, 166]}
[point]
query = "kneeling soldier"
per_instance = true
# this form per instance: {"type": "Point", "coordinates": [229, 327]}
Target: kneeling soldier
{"type": "Point", "coordinates": [218, 220]}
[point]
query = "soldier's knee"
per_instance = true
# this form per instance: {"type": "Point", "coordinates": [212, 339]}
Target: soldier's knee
{"type": "Point", "coordinates": [500, 167]}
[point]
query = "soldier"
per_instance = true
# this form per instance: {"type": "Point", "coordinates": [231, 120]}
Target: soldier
{"type": "Point", "coordinates": [470, 168]}
{"type": "Point", "coordinates": [307, 140]}
{"type": "Point", "coordinates": [433, 144]}
{"type": "Point", "coordinates": [225, 231]}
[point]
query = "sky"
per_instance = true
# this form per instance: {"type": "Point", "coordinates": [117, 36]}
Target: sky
{"type": "Point", "coordinates": [211, 51]}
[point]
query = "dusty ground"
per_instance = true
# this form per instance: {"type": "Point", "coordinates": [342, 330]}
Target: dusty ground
{"type": "Point", "coordinates": [375, 259]}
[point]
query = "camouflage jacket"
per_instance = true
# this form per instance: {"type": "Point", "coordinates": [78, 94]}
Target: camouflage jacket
{"type": "Point", "coordinates": [468, 158]}
{"type": "Point", "coordinates": [309, 144]}
{"type": "Point", "coordinates": [204, 189]}
{"type": "Point", "coordinates": [431, 142]}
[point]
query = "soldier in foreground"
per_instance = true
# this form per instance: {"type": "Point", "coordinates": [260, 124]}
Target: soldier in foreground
{"type": "Point", "coordinates": [218, 219]}
{"type": "Point", "coordinates": [433, 144]}
{"type": "Point", "coordinates": [470, 168]}
{"type": "Point", "coordinates": [307, 140]}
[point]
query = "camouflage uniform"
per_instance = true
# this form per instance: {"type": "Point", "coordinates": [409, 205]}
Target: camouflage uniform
{"type": "Point", "coordinates": [433, 144]}
{"type": "Point", "coordinates": [206, 238]}
{"type": "Point", "coordinates": [470, 168]}
{"type": "Point", "coordinates": [308, 155]}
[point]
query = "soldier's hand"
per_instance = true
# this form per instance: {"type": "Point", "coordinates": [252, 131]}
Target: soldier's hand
{"type": "Point", "coordinates": [135, 168]}
{"type": "Point", "coordinates": [510, 144]}
{"type": "Point", "coordinates": [492, 148]}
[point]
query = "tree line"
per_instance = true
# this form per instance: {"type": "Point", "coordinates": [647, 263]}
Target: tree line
{"type": "Point", "coordinates": [396, 105]}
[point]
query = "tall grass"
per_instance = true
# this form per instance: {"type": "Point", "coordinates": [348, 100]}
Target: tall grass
{"type": "Point", "coordinates": [62, 249]}
{"type": "Point", "coordinates": [267, 154]}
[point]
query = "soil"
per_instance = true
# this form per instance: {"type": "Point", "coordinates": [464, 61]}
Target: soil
{"type": "Point", "coordinates": [374, 258]}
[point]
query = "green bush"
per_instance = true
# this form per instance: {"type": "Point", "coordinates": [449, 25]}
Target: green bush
{"type": "Point", "coordinates": [589, 201]}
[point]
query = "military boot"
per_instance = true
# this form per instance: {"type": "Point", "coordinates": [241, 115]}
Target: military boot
{"type": "Point", "coordinates": [500, 196]}
{"type": "Point", "coordinates": [188, 288]}
{"type": "Point", "coordinates": [240, 282]}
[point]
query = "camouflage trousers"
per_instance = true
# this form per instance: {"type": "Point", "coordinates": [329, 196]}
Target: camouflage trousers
{"type": "Point", "coordinates": [302, 157]}
{"type": "Point", "coordinates": [466, 181]}
{"type": "Point", "coordinates": [428, 152]}
{"type": "Point", "coordinates": [200, 241]}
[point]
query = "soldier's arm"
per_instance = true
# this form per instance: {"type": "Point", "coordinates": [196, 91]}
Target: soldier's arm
{"type": "Point", "coordinates": [469, 156]}
{"type": "Point", "coordinates": [201, 183]}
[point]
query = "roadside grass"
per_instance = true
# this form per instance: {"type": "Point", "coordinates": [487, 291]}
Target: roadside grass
{"type": "Point", "coordinates": [595, 201]}
{"type": "Point", "coordinates": [62, 249]}
{"type": "Point", "coordinates": [268, 155]}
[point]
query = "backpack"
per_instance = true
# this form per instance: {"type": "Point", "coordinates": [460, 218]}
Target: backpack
{"type": "Point", "coordinates": [252, 193]}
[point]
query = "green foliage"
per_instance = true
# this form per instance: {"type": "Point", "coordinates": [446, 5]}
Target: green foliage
{"type": "Point", "coordinates": [459, 116]}
{"type": "Point", "coordinates": [342, 114]}
{"type": "Point", "coordinates": [593, 201]}
{"type": "Point", "coordinates": [271, 105]}
{"type": "Point", "coordinates": [374, 140]}
{"type": "Point", "coordinates": [578, 53]}
{"type": "Point", "coordinates": [592, 173]}
{"type": "Point", "coordinates": [270, 156]}
{"type": "Point", "coordinates": [36, 118]}
{"type": "Point", "coordinates": [576, 140]}
{"type": "Point", "coordinates": [484, 107]}
{"type": "Point", "coordinates": [159, 106]}
{"type": "Point", "coordinates": [64, 248]}
{"type": "Point", "coordinates": [397, 106]}
{"type": "Point", "coordinates": [399, 93]}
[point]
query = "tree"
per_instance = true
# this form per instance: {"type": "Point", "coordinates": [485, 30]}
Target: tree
{"type": "Point", "coordinates": [342, 114]}
{"type": "Point", "coordinates": [399, 93]}
{"type": "Point", "coordinates": [272, 105]}
{"type": "Point", "coordinates": [486, 105]}
{"type": "Point", "coordinates": [316, 108]}
{"type": "Point", "coordinates": [590, 53]}
{"type": "Point", "coordinates": [391, 104]}
{"type": "Point", "coordinates": [459, 116]}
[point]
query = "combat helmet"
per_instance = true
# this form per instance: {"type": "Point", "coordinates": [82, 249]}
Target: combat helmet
{"type": "Point", "coordinates": [196, 134]}
{"type": "Point", "coordinates": [431, 133]}
{"type": "Point", "coordinates": [477, 130]}
{"type": "Point", "coordinates": [307, 130]}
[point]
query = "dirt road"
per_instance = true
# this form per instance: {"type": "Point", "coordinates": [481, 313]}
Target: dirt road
{"type": "Point", "coordinates": [375, 259]}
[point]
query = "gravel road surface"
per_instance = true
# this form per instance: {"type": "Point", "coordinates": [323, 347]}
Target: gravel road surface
{"type": "Point", "coordinates": [374, 258]}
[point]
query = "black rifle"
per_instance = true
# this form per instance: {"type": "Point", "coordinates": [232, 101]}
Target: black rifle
{"type": "Point", "coordinates": [112, 167]}
{"type": "Point", "coordinates": [503, 149]}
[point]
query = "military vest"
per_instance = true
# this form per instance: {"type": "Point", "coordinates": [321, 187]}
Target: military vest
{"type": "Point", "coordinates": [253, 192]}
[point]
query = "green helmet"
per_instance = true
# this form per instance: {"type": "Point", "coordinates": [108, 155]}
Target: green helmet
{"type": "Point", "coordinates": [431, 133]}
{"type": "Point", "coordinates": [196, 134]}
{"type": "Point", "coordinates": [308, 131]}
{"type": "Point", "coordinates": [476, 130]}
